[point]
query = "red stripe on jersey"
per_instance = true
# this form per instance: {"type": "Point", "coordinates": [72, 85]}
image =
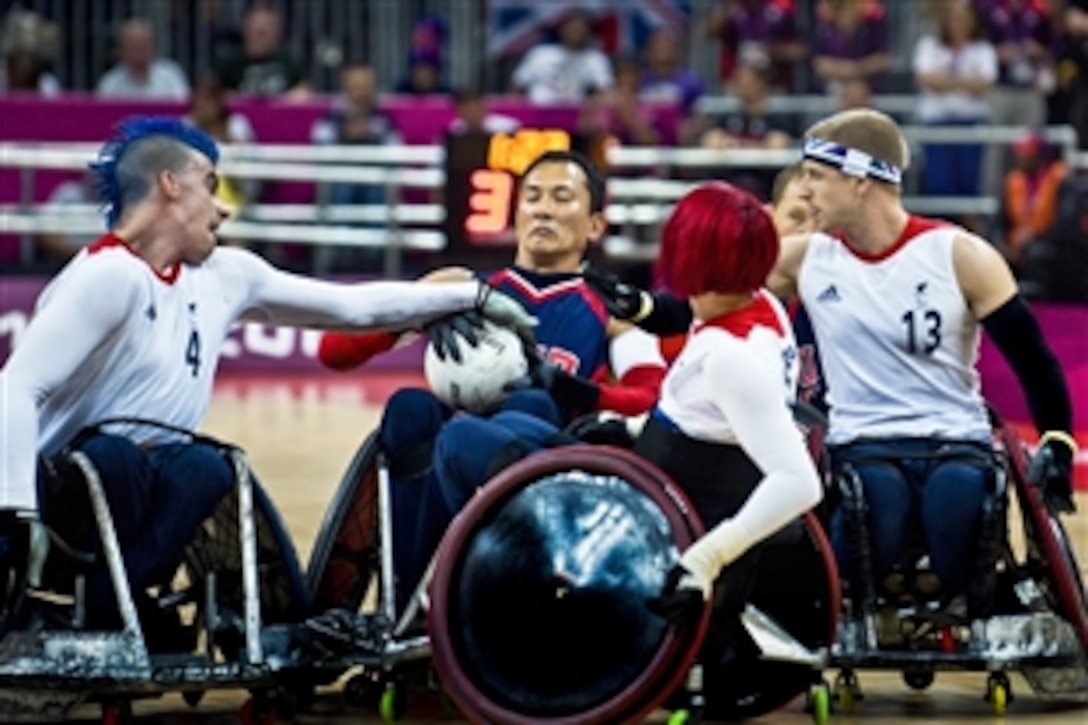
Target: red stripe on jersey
{"type": "Point", "coordinates": [110, 240]}
{"type": "Point", "coordinates": [742, 321]}
{"type": "Point", "coordinates": [574, 285]}
{"type": "Point", "coordinates": [530, 290]}
{"type": "Point", "coordinates": [915, 225]}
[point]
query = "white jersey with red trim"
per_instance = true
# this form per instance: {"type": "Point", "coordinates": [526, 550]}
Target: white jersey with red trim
{"type": "Point", "coordinates": [113, 338]}
{"type": "Point", "coordinates": [733, 384]}
{"type": "Point", "coordinates": [726, 361]}
{"type": "Point", "coordinates": [896, 338]}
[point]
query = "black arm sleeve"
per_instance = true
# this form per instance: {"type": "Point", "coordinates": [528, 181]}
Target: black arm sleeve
{"type": "Point", "coordinates": [1016, 333]}
{"type": "Point", "coordinates": [670, 315]}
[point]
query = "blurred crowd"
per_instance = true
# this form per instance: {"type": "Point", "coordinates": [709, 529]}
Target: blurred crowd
{"type": "Point", "coordinates": [999, 62]}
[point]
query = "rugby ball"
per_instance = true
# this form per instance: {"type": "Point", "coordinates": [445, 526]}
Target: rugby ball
{"type": "Point", "coordinates": [476, 384]}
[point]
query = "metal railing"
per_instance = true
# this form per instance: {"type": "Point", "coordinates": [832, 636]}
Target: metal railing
{"type": "Point", "coordinates": [637, 205]}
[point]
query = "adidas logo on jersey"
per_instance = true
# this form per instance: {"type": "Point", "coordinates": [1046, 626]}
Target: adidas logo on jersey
{"type": "Point", "coordinates": [831, 294]}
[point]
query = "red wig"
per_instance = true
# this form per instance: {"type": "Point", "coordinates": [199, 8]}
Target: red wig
{"type": "Point", "coordinates": [717, 239]}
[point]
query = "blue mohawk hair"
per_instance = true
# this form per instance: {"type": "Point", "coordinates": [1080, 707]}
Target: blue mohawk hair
{"type": "Point", "coordinates": [135, 129]}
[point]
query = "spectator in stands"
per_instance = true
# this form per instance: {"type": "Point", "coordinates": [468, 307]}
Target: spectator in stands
{"type": "Point", "coordinates": [354, 120]}
{"type": "Point", "coordinates": [622, 116]}
{"type": "Point", "coordinates": [567, 71]}
{"type": "Point", "coordinates": [209, 112]}
{"type": "Point", "coordinates": [851, 42]}
{"type": "Point", "coordinates": [473, 117]}
{"type": "Point", "coordinates": [664, 79]}
{"type": "Point", "coordinates": [262, 66]}
{"type": "Point", "coordinates": [954, 69]}
{"type": "Point", "coordinates": [1055, 263]}
{"type": "Point", "coordinates": [28, 44]}
{"type": "Point", "coordinates": [753, 126]}
{"type": "Point", "coordinates": [138, 73]}
{"type": "Point", "coordinates": [769, 26]}
{"type": "Point", "coordinates": [1023, 35]}
{"type": "Point", "coordinates": [1032, 188]}
{"type": "Point", "coordinates": [1069, 103]}
{"type": "Point", "coordinates": [424, 76]}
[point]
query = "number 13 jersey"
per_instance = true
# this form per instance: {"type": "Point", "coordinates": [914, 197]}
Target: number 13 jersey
{"type": "Point", "coordinates": [896, 338]}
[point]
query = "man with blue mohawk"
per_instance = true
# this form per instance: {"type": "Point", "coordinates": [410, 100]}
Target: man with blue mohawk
{"type": "Point", "coordinates": [134, 326]}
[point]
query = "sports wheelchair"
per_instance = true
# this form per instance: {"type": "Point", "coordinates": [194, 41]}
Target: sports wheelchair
{"type": "Point", "coordinates": [1026, 606]}
{"type": "Point", "coordinates": [350, 577]}
{"type": "Point", "coordinates": [534, 608]}
{"type": "Point", "coordinates": [232, 606]}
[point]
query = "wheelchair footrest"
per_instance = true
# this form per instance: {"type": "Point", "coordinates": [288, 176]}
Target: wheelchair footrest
{"type": "Point", "coordinates": [343, 632]}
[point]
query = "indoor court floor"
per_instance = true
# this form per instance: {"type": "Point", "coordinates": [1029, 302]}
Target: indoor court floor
{"type": "Point", "coordinates": [300, 433]}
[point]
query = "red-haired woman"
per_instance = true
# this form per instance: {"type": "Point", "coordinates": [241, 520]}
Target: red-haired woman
{"type": "Point", "coordinates": [723, 429]}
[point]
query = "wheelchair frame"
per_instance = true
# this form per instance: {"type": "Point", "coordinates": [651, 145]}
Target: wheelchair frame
{"type": "Point", "coordinates": [353, 552]}
{"type": "Point", "coordinates": [1051, 609]}
{"type": "Point", "coordinates": [45, 673]}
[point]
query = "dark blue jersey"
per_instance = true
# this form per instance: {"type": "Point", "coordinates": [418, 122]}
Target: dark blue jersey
{"type": "Point", "coordinates": [573, 320]}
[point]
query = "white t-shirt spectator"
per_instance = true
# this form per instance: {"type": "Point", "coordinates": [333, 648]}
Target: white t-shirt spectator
{"type": "Point", "coordinates": [554, 74]}
{"type": "Point", "coordinates": [165, 80]}
{"type": "Point", "coordinates": [976, 60]}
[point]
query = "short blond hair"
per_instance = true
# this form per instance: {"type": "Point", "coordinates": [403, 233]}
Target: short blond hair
{"type": "Point", "coordinates": [867, 130]}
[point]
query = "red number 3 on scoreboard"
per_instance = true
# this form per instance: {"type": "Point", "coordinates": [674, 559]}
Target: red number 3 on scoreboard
{"type": "Point", "coordinates": [489, 203]}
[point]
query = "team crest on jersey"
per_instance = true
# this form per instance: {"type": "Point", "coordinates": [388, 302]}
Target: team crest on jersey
{"type": "Point", "coordinates": [150, 312]}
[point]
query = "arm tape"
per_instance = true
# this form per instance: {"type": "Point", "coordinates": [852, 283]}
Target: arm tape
{"type": "Point", "coordinates": [1016, 333]}
{"type": "Point", "coordinates": [670, 315]}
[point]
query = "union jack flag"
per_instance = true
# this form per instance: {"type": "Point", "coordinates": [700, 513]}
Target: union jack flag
{"type": "Point", "coordinates": [514, 26]}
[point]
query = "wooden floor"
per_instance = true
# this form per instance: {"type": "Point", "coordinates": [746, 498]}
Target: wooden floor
{"type": "Point", "coordinates": [300, 435]}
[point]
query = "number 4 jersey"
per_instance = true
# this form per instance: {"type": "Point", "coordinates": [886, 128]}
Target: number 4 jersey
{"type": "Point", "coordinates": [896, 338]}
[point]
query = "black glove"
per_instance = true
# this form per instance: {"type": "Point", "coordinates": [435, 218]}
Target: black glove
{"type": "Point", "coordinates": [569, 391]}
{"type": "Point", "coordinates": [601, 428]}
{"type": "Point", "coordinates": [1052, 470]}
{"type": "Point", "coordinates": [623, 301]}
{"type": "Point", "coordinates": [445, 331]}
{"type": "Point", "coordinates": [681, 606]}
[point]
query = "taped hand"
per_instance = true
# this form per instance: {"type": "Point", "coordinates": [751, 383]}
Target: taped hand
{"type": "Point", "coordinates": [1052, 470]}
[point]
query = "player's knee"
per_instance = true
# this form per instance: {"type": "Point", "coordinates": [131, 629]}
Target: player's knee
{"type": "Point", "coordinates": [535, 402]}
{"type": "Point", "coordinates": [208, 472]}
{"type": "Point", "coordinates": [411, 415]}
{"type": "Point", "coordinates": [110, 452]}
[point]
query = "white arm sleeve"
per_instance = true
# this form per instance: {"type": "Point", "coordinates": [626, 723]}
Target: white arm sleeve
{"type": "Point", "coordinates": [93, 299]}
{"type": "Point", "coordinates": [751, 397]}
{"type": "Point", "coordinates": [282, 298]}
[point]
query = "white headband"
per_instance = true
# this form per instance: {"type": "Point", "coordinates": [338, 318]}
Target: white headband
{"type": "Point", "coordinates": [851, 161]}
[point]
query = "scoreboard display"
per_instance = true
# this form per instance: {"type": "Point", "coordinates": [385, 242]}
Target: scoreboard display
{"type": "Point", "coordinates": [482, 171]}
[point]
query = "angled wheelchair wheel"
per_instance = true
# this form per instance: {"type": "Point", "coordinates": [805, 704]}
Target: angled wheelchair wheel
{"type": "Point", "coordinates": [346, 553]}
{"type": "Point", "coordinates": [1050, 553]}
{"type": "Point", "coordinates": [216, 548]}
{"type": "Point", "coordinates": [538, 596]}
